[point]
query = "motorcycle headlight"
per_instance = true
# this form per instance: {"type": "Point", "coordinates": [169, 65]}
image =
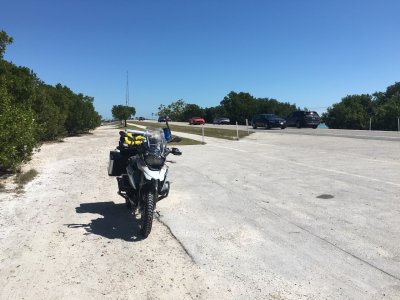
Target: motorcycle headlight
{"type": "Point", "coordinates": [154, 161]}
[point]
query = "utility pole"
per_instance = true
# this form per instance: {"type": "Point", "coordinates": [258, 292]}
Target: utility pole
{"type": "Point", "coordinates": [127, 90]}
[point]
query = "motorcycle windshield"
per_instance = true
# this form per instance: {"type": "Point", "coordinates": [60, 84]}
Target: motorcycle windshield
{"type": "Point", "coordinates": [155, 148]}
{"type": "Point", "coordinates": [156, 142]}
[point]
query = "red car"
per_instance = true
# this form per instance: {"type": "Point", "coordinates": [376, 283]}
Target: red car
{"type": "Point", "coordinates": [196, 121]}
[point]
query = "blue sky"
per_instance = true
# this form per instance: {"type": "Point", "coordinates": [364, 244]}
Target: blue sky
{"type": "Point", "coordinates": [309, 52]}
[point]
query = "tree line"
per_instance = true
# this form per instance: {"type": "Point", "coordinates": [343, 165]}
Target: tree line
{"type": "Point", "coordinates": [382, 109]}
{"type": "Point", "coordinates": [236, 106]}
{"type": "Point", "coordinates": [32, 111]}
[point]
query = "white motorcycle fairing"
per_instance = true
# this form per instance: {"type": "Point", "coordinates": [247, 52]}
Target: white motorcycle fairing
{"type": "Point", "coordinates": [150, 174]}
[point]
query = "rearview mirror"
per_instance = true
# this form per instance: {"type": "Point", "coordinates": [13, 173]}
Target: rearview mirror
{"type": "Point", "coordinates": [176, 151]}
{"type": "Point", "coordinates": [123, 134]}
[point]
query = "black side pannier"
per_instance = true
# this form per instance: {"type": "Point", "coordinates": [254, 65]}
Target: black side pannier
{"type": "Point", "coordinates": [117, 164]}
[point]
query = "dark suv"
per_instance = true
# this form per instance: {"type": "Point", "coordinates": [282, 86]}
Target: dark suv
{"type": "Point", "coordinates": [268, 121]}
{"type": "Point", "coordinates": [164, 119]}
{"type": "Point", "coordinates": [302, 118]}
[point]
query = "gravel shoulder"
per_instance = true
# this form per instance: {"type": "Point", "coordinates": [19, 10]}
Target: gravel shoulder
{"type": "Point", "coordinates": [69, 235]}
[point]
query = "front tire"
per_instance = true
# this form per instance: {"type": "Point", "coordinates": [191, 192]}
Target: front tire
{"type": "Point", "coordinates": [147, 213]}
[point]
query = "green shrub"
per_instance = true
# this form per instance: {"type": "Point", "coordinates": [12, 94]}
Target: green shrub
{"type": "Point", "coordinates": [17, 134]}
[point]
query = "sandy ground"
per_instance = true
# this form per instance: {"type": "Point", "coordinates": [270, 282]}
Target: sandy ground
{"type": "Point", "coordinates": [277, 215]}
{"type": "Point", "coordinates": [69, 235]}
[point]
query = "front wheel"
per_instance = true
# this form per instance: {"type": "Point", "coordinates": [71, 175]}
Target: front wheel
{"type": "Point", "coordinates": [147, 211]}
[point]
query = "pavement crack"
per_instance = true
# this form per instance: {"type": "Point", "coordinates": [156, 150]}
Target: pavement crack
{"type": "Point", "coordinates": [178, 241]}
{"type": "Point", "coordinates": [335, 246]}
{"type": "Point", "coordinates": [347, 252]}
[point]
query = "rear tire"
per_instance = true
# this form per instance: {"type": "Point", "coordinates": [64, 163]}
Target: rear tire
{"type": "Point", "coordinates": [254, 126]}
{"type": "Point", "coordinates": [298, 125]}
{"type": "Point", "coordinates": [147, 213]}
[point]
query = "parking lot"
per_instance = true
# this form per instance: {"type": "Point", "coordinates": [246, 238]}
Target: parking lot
{"type": "Point", "coordinates": [292, 213]}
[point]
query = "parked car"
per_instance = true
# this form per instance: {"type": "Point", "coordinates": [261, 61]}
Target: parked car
{"type": "Point", "coordinates": [222, 121]}
{"type": "Point", "coordinates": [302, 118]}
{"type": "Point", "coordinates": [141, 119]}
{"type": "Point", "coordinates": [268, 121]}
{"type": "Point", "coordinates": [164, 119]}
{"type": "Point", "coordinates": [196, 121]}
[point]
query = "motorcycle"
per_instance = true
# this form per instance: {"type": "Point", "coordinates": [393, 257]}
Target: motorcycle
{"type": "Point", "coordinates": [140, 166]}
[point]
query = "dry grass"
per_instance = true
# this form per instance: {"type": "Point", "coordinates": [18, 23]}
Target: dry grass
{"type": "Point", "coordinates": [23, 178]}
{"type": "Point", "coordinates": [228, 134]}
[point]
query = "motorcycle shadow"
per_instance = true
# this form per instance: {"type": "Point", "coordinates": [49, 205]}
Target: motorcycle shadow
{"type": "Point", "coordinates": [117, 222]}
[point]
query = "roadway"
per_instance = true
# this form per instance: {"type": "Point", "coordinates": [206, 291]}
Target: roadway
{"type": "Point", "coordinates": [358, 134]}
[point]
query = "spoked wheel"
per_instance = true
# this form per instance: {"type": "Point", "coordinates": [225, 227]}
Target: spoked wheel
{"type": "Point", "coordinates": [147, 210]}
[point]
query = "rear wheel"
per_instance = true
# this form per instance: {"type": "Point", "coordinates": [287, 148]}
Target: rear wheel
{"type": "Point", "coordinates": [298, 125]}
{"type": "Point", "coordinates": [147, 213]}
{"type": "Point", "coordinates": [254, 126]}
{"type": "Point", "coordinates": [267, 126]}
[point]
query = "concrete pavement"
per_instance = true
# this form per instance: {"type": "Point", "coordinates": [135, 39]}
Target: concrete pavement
{"type": "Point", "coordinates": [290, 216]}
